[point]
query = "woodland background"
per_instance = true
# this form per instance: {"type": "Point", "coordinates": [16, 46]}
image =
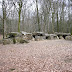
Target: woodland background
{"type": "Point", "coordinates": [47, 16]}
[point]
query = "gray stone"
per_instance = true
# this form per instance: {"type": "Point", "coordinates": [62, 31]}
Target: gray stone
{"type": "Point", "coordinates": [13, 34]}
{"type": "Point", "coordinates": [23, 33]}
{"type": "Point", "coordinates": [26, 36]}
{"type": "Point", "coordinates": [17, 39]}
{"type": "Point", "coordinates": [51, 36]}
{"type": "Point", "coordinates": [29, 36]}
{"type": "Point", "coordinates": [47, 36]}
{"type": "Point", "coordinates": [38, 38]}
{"type": "Point", "coordinates": [38, 34]}
{"type": "Point", "coordinates": [33, 39]}
{"type": "Point", "coordinates": [62, 34]}
{"type": "Point", "coordinates": [23, 41]}
{"type": "Point", "coordinates": [68, 38]}
{"type": "Point", "coordinates": [7, 41]}
{"type": "Point", "coordinates": [61, 37]}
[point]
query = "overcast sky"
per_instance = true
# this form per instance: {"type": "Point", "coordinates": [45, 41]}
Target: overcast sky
{"type": "Point", "coordinates": [30, 1]}
{"type": "Point", "coordinates": [32, 8]}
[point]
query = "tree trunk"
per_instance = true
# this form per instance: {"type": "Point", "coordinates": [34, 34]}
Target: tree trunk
{"type": "Point", "coordinates": [57, 23]}
{"type": "Point", "coordinates": [19, 22]}
{"type": "Point", "coordinates": [53, 22]}
{"type": "Point", "coordinates": [44, 23]}
{"type": "Point", "coordinates": [38, 16]}
{"type": "Point", "coordinates": [19, 12]}
{"type": "Point", "coordinates": [4, 18]}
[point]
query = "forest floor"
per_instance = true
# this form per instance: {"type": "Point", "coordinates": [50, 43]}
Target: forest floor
{"type": "Point", "coordinates": [37, 56]}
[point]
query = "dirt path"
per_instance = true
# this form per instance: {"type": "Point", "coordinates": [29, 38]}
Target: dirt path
{"type": "Point", "coordinates": [41, 56]}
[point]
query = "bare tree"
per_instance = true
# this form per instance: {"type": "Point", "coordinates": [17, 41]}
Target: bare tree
{"type": "Point", "coordinates": [19, 12]}
{"type": "Point", "coordinates": [4, 18]}
{"type": "Point", "coordinates": [38, 21]}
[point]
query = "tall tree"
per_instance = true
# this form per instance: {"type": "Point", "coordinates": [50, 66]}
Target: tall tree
{"type": "Point", "coordinates": [4, 18]}
{"type": "Point", "coordinates": [38, 21]}
{"type": "Point", "coordinates": [57, 17]}
{"type": "Point", "coordinates": [19, 12]}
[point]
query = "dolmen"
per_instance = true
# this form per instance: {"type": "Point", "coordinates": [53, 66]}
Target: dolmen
{"type": "Point", "coordinates": [25, 37]}
{"type": "Point", "coordinates": [14, 37]}
{"type": "Point", "coordinates": [44, 36]}
{"type": "Point", "coordinates": [62, 35]}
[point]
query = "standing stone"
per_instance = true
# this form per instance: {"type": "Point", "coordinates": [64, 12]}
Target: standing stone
{"type": "Point", "coordinates": [61, 37]}
{"type": "Point", "coordinates": [68, 38]}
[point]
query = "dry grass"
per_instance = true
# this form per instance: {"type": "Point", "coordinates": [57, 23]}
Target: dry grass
{"type": "Point", "coordinates": [41, 56]}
